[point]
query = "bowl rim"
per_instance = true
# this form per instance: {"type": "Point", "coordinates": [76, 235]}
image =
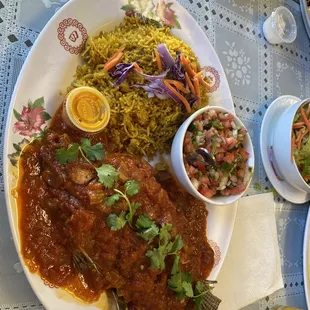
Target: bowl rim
{"type": "Point", "coordinates": [187, 122]}
{"type": "Point", "coordinates": [300, 104]}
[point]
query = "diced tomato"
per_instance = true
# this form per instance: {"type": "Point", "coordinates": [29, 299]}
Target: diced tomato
{"type": "Point", "coordinates": [244, 154]}
{"type": "Point", "coordinates": [240, 173]}
{"type": "Point", "coordinates": [199, 117]}
{"type": "Point", "coordinates": [207, 192]}
{"type": "Point", "coordinates": [227, 124]}
{"type": "Point", "coordinates": [200, 166]}
{"type": "Point", "coordinates": [226, 192]}
{"type": "Point", "coordinates": [219, 157]}
{"type": "Point", "coordinates": [215, 183]}
{"type": "Point", "coordinates": [188, 148]}
{"type": "Point", "coordinates": [238, 189]}
{"type": "Point", "coordinates": [192, 170]}
{"type": "Point", "coordinates": [204, 180]}
{"type": "Point", "coordinates": [188, 134]}
{"type": "Point", "coordinates": [199, 125]}
{"type": "Point", "coordinates": [231, 140]}
{"type": "Point", "coordinates": [230, 157]}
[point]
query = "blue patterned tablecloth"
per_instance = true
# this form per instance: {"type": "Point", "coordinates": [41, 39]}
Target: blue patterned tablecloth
{"type": "Point", "coordinates": [257, 73]}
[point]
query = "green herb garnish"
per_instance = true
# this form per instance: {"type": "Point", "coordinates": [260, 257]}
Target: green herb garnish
{"type": "Point", "coordinates": [132, 187]}
{"type": "Point", "coordinates": [68, 155]}
{"type": "Point", "coordinates": [214, 145]}
{"type": "Point", "coordinates": [216, 123]}
{"type": "Point", "coordinates": [92, 152]}
{"type": "Point", "coordinates": [180, 282]}
{"type": "Point", "coordinates": [106, 174]}
{"type": "Point", "coordinates": [110, 201]}
{"type": "Point", "coordinates": [166, 247]}
{"type": "Point", "coordinates": [226, 167]}
{"type": "Point", "coordinates": [147, 229]}
{"type": "Point", "coordinates": [116, 222]}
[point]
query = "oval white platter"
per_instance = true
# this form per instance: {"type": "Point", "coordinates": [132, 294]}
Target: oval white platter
{"type": "Point", "coordinates": [49, 69]}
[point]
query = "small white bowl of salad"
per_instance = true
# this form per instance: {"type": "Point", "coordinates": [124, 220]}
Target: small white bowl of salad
{"type": "Point", "coordinates": [291, 145]}
{"type": "Point", "coordinates": [225, 137]}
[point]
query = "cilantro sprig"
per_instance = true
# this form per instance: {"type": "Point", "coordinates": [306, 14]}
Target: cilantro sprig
{"type": "Point", "coordinates": [166, 247]}
{"type": "Point", "coordinates": [147, 229]}
{"type": "Point", "coordinates": [181, 283]}
{"type": "Point", "coordinates": [116, 222]}
{"type": "Point", "coordinates": [106, 173]}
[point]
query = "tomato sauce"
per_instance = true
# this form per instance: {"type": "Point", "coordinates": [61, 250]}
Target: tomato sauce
{"type": "Point", "coordinates": [62, 216]}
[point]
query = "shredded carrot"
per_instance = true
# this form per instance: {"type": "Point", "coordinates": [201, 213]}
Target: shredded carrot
{"type": "Point", "coordinates": [194, 66]}
{"type": "Point", "coordinates": [111, 63]}
{"type": "Point", "coordinates": [304, 117]}
{"type": "Point", "coordinates": [197, 89]}
{"type": "Point", "coordinates": [189, 83]}
{"type": "Point", "coordinates": [158, 60]}
{"type": "Point", "coordinates": [187, 66]}
{"type": "Point", "coordinates": [199, 74]}
{"type": "Point", "coordinates": [116, 54]}
{"type": "Point", "coordinates": [308, 111]}
{"type": "Point", "coordinates": [306, 177]}
{"type": "Point", "coordinates": [178, 85]}
{"type": "Point", "coordinates": [301, 134]}
{"type": "Point", "coordinates": [137, 67]}
{"type": "Point", "coordinates": [298, 125]}
{"type": "Point", "coordinates": [182, 98]}
{"type": "Point", "coordinates": [292, 147]}
{"type": "Point", "coordinates": [204, 83]}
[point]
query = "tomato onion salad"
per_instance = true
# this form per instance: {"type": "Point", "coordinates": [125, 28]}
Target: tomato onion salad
{"type": "Point", "coordinates": [300, 148]}
{"type": "Point", "coordinates": [219, 134]}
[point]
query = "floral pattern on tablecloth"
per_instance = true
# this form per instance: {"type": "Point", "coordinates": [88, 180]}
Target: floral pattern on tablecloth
{"type": "Point", "coordinates": [257, 73]}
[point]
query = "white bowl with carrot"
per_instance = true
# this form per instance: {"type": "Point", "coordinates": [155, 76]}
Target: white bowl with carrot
{"type": "Point", "coordinates": [291, 145]}
{"type": "Point", "coordinates": [224, 136]}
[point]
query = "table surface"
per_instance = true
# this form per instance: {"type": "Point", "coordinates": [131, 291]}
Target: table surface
{"type": "Point", "coordinates": [257, 73]}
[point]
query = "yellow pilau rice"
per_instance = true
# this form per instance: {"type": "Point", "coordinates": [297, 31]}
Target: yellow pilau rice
{"type": "Point", "coordinates": [139, 125]}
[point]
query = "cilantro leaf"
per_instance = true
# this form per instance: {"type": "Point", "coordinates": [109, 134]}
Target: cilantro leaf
{"type": "Point", "coordinates": [135, 206]}
{"type": "Point", "coordinates": [198, 302]}
{"type": "Point", "coordinates": [164, 235]}
{"type": "Point", "coordinates": [157, 259]}
{"type": "Point", "coordinates": [176, 245]}
{"type": "Point", "coordinates": [111, 200]}
{"type": "Point", "coordinates": [188, 289]}
{"type": "Point", "coordinates": [107, 175]}
{"type": "Point", "coordinates": [180, 282]}
{"type": "Point", "coordinates": [199, 287]}
{"type": "Point", "coordinates": [216, 123]}
{"type": "Point", "coordinates": [116, 222]}
{"type": "Point", "coordinates": [144, 222]}
{"type": "Point", "coordinates": [226, 167]}
{"type": "Point", "coordinates": [176, 265]}
{"type": "Point", "coordinates": [132, 187]}
{"type": "Point", "coordinates": [158, 255]}
{"type": "Point", "coordinates": [175, 283]}
{"type": "Point", "coordinates": [150, 233]}
{"type": "Point", "coordinates": [68, 155]}
{"type": "Point", "coordinates": [92, 152]}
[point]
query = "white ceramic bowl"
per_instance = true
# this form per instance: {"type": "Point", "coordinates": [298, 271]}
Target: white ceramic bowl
{"type": "Point", "coordinates": [178, 164]}
{"type": "Point", "coordinates": [282, 148]}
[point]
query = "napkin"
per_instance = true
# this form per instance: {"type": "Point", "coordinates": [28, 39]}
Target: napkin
{"type": "Point", "coordinates": [252, 267]}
